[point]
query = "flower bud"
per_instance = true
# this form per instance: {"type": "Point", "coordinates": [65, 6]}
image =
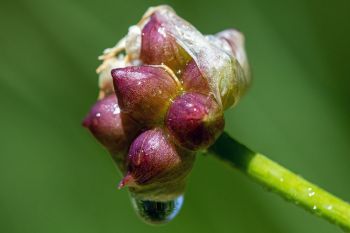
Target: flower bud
{"type": "Point", "coordinates": [173, 82]}
{"type": "Point", "coordinates": [145, 92]}
{"type": "Point", "coordinates": [195, 120]}
{"type": "Point", "coordinates": [113, 129]}
{"type": "Point", "coordinates": [155, 162]}
{"type": "Point", "coordinates": [158, 46]}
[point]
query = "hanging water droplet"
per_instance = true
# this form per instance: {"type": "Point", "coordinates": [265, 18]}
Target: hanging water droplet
{"type": "Point", "coordinates": [329, 207]}
{"type": "Point", "coordinates": [157, 212]}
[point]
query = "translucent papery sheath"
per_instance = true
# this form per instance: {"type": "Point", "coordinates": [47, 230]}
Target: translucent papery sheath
{"type": "Point", "coordinates": [226, 78]}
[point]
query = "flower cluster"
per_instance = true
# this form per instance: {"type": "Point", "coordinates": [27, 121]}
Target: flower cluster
{"type": "Point", "coordinates": [163, 91]}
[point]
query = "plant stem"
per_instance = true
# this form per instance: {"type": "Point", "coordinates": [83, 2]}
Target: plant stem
{"type": "Point", "coordinates": [282, 181]}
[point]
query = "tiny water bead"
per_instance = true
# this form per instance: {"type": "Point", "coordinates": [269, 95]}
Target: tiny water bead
{"type": "Point", "coordinates": [157, 212]}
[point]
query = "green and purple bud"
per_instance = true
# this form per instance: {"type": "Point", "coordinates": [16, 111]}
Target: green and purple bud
{"type": "Point", "coordinates": [195, 121]}
{"type": "Point", "coordinates": [145, 92]}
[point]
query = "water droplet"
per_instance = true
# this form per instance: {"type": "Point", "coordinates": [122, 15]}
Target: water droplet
{"type": "Point", "coordinates": [161, 31]}
{"type": "Point", "coordinates": [310, 192]}
{"type": "Point", "coordinates": [98, 114]}
{"type": "Point", "coordinates": [314, 207]}
{"type": "Point", "coordinates": [329, 207]}
{"type": "Point", "coordinates": [116, 110]}
{"type": "Point", "coordinates": [157, 212]}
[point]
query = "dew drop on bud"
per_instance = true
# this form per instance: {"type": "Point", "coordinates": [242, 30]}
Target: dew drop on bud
{"type": "Point", "coordinates": [157, 212]}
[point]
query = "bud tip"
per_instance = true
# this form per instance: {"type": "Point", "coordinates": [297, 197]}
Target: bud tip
{"type": "Point", "coordinates": [128, 180]}
{"type": "Point", "coordinates": [86, 122]}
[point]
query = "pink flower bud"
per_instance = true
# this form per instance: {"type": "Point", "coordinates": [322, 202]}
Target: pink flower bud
{"type": "Point", "coordinates": [195, 120]}
{"type": "Point", "coordinates": [145, 92]}
{"type": "Point", "coordinates": [113, 129]}
{"type": "Point", "coordinates": [154, 160]}
{"type": "Point", "coordinates": [158, 46]}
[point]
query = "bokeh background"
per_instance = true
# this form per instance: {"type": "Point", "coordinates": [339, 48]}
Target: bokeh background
{"type": "Point", "coordinates": [54, 177]}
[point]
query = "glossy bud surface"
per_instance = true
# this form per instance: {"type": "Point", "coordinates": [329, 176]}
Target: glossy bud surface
{"type": "Point", "coordinates": [195, 120]}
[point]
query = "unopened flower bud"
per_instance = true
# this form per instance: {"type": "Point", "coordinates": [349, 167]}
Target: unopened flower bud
{"type": "Point", "coordinates": [145, 92]}
{"type": "Point", "coordinates": [195, 120]}
{"type": "Point", "coordinates": [113, 129]}
{"type": "Point", "coordinates": [154, 161]}
{"type": "Point", "coordinates": [158, 46]}
{"type": "Point", "coordinates": [173, 83]}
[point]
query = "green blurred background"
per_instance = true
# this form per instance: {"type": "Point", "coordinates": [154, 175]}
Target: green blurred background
{"type": "Point", "coordinates": [54, 177]}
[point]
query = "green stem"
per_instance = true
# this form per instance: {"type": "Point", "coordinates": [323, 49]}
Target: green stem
{"type": "Point", "coordinates": [284, 182]}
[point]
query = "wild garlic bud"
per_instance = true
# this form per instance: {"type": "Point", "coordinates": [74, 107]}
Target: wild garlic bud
{"type": "Point", "coordinates": [172, 85]}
